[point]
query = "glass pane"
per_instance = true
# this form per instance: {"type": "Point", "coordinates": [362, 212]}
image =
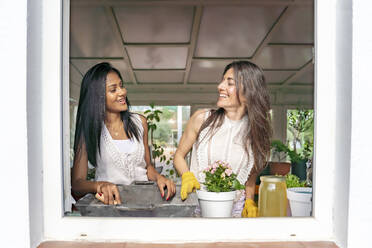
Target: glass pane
{"type": "Point", "coordinates": [168, 131]}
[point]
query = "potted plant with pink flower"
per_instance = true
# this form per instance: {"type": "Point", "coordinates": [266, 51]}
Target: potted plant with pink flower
{"type": "Point", "coordinates": [218, 191]}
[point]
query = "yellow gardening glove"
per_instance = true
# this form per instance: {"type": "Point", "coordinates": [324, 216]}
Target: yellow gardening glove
{"type": "Point", "coordinates": [189, 183]}
{"type": "Point", "coordinates": [250, 209]}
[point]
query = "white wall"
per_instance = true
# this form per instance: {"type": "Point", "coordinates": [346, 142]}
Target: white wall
{"type": "Point", "coordinates": [14, 207]}
{"type": "Point", "coordinates": [343, 117]}
{"type": "Point", "coordinates": [34, 120]}
{"type": "Point", "coordinates": [22, 219]}
{"type": "Point", "coordinates": [360, 200]}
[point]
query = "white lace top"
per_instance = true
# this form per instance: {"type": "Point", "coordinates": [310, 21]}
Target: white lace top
{"type": "Point", "coordinates": [225, 145]}
{"type": "Point", "coordinates": [118, 167]}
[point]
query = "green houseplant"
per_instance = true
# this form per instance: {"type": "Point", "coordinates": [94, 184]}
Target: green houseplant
{"type": "Point", "coordinates": [278, 162]}
{"type": "Point", "coordinates": [153, 116]}
{"type": "Point", "coordinates": [298, 158]}
{"type": "Point", "coordinates": [300, 126]}
{"type": "Point", "coordinates": [299, 194]}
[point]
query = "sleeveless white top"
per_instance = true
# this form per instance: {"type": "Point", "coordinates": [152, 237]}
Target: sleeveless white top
{"type": "Point", "coordinates": [125, 145]}
{"type": "Point", "coordinates": [121, 167]}
{"type": "Point", "coordinates": [225, 145]}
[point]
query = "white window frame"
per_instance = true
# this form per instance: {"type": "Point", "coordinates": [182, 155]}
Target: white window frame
{"type": "Point", "coordinates": [59, 227]}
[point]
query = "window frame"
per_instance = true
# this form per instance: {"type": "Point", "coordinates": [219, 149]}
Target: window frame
{"type": "Point", "coordinates": [55, 23]}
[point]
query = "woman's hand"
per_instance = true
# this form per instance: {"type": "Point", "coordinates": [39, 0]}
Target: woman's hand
{"type": "Point", "coordinates": [250, 209]}
{"type": "Point", "coordinates": [108, 193]}
{"type": "Point", "coordinates": [165, 182]}
{"type": "Point", "coordinates": [189, 184]}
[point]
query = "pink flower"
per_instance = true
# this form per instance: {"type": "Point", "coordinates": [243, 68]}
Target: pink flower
{"type": "Point", "coordinates": [228, 172]}
{"type": "Point", "coordinates": [213, 170]}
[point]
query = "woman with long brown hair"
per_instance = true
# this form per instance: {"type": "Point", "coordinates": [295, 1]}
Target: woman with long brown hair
{"type": "Point", "coordinates": [237, 132]}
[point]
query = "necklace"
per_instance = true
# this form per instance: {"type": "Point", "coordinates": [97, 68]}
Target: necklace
{"type": "Point", "coordinates": [115, 131]}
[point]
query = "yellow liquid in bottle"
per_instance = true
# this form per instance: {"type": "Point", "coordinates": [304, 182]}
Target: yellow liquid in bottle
{"type": "Point", "coordinates": [272, 200]}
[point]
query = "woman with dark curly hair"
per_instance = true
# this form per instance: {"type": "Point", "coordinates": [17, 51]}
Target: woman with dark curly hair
{"type": "Point", "coordinates": [237, 132]}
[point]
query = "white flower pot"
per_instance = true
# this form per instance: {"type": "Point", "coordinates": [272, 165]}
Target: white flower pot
{"type": "Point", "coordinates": [300, 200]}
{"type": "Point", "coordinates": [216, 204]}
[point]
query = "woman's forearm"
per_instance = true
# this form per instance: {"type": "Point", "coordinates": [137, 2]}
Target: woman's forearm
{"type": "Point", "coordinates": [81, 186]}
{"type": "Point", "coordinates": [180, 164]}
{"type": "Point", "coordinates": [152, 174]}
{"type": "Point", "coordinates": [250, 186]}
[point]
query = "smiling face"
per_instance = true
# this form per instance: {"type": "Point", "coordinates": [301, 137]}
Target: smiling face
{"type": "Point", "coordinates": [228, 97]}
{"type": "Point", "coordinates": [115, 94]}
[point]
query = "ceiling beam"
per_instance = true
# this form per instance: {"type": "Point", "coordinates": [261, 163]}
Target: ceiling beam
{"type": "Point", "coordinates": [97, 58]}
{"type": "Point", "coordinates": [189, 2]}
{"type": "Point", "coordinates": [282, 17]}
{"type": "Point", "coordinates": [301, 45]}
{"type": "Point", "coordinates": [193, 39]}
{"type": "Point", "coordinates": [205, 87]}
{"type": "Point", "coordinates": [305, 68]}
{"type": "Point", "coordinates": [221, 58]}
{"type": "Point", "coordinates": [155, 70]}
{"type": "Point", "coordinates": [118, 36]}
{"type": "Point", "coordinates": [170, 44]}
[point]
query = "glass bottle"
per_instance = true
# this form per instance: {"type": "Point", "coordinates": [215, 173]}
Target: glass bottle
{"type": "Point", "coordinates": [272, 197]}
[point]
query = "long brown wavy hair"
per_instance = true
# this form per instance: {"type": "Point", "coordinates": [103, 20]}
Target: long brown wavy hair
{"type": "Point", "coordinates": [250, 81]}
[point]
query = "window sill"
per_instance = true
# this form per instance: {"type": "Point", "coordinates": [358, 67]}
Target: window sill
{"type": "Point", "coordinates": [84, 244]}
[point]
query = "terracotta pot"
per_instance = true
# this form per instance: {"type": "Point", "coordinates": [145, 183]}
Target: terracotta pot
{"type": "Point", "coordinates": [279, 168]}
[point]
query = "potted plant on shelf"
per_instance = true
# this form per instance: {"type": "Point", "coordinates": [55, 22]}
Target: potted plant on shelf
{"type": "Point", "coordinates": [278, 163]}
{"type": "Point", "coordinates": [299, 194]}
{"type": "Point", "coordinates": [218, 191]}
{"type": "Point", "coordinates": [300, 126]}
{"type": "Point", "coordinates": [299, 159]}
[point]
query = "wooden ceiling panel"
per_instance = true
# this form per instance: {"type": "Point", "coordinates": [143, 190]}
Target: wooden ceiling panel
{"type": "Point", "coordinates": [155, 24]}
{"type": "Point", "coordinates": [207, 71]}
{"type": "Point", "coordinates": [234, 31]}
{"type": "Point", "coordinates": [158, 57]}
{"type": "Point", "coordinates": [284, 57]}
{"type": "Point", "coordinates": [273, 77]}
{"type": "Point", "coordinates": [305, 78]}
{"type": "Point", "coordinates": [297, 28]}
{"type": "Point", "coordinates": [83, 65]}
{"type": "Point", "coordinates": [91, 35]}
{"type": "Point", "coordinates": [161, 76]}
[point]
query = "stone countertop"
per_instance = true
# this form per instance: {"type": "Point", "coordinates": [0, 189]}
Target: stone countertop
{"type": "Point", "coordinates": [140, 200]}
